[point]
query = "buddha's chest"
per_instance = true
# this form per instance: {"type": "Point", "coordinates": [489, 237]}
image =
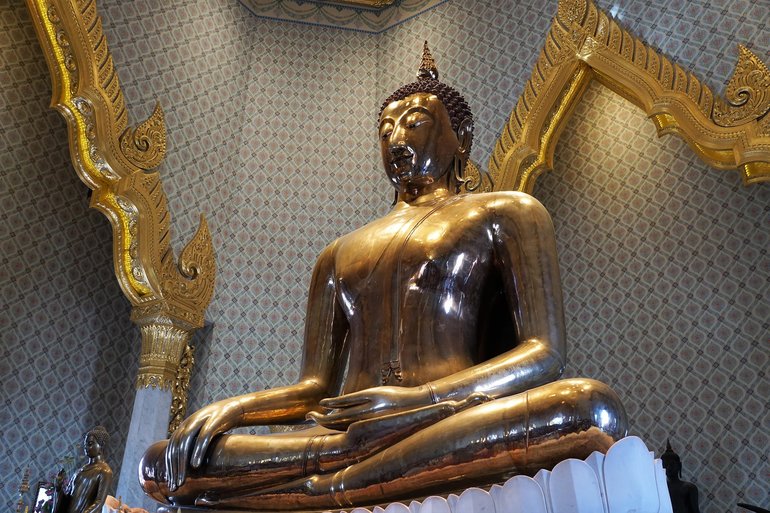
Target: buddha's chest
{"type": "Point", "coordinates": [427, 253]}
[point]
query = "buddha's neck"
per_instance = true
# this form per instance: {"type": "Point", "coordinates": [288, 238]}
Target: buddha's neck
{"type": "Point", "coordinates": [424, 197]}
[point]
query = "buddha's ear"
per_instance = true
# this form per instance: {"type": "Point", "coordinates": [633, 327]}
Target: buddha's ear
{"type": "Point", "coordinates": [465, 136]}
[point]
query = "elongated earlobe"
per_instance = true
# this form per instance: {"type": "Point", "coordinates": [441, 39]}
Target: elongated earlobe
{"type": "Point", "coordinates": [465, 136]}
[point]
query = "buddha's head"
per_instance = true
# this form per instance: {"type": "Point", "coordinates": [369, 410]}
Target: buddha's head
{"type": "Point", "coordinates": [671, 463]}
{"type": "Point", "coordinates": [426, 131]}
{"type": "Point", "coordinates": [95, 441]}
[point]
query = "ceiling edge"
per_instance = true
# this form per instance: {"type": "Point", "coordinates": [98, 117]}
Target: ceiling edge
{"type": "Point", "coordinates": [371, 20]}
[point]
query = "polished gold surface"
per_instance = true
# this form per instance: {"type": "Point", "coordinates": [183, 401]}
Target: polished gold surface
{"type": "Point", "coordinates": [115, 161]}
{"type": "Point", "coordinates": [584, 44]}
{"type": "Point", "coordinates": [434, 337]}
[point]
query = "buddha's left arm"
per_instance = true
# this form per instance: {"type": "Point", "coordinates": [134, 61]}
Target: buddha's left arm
{"type": "Point", "coordinates": [525, 252]}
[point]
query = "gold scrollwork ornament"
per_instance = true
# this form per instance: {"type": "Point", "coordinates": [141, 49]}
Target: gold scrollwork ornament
{"type": "Point", "coordinates": [584, 44]}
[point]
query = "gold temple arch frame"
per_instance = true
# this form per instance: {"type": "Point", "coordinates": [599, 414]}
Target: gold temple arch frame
{"type": "Point", "coordinates": [585, 44]}
{"type": "Point", "coordinates": [116, 161]}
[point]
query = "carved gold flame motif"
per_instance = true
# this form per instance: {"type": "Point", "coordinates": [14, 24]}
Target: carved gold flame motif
{"type": "Point", "coordinates": [747, 96]}
{"type": "Point", "coordinates": [114, 160]}
{"type": "Point", "coordinates": [145, 146]}
{"type": "Point", "coordinates": [584, 44]}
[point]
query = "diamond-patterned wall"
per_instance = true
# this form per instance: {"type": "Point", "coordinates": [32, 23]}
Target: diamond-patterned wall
{"type": "Point", "coordinates": [68, 353]}
{"type": "Point", "coordinates": [665, 269]}
{"type": "Point", "coordinates": [664, 260]}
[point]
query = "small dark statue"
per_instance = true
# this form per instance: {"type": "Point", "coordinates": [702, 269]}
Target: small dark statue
{"type": "Point", "coordinates": [88, 488]}
{"type": "Point", "coordinates": [684, 495]}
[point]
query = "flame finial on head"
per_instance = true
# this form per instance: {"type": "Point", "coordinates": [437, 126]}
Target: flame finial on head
{"type": "Point", "coordinates": [428, 70]}
{"type": "Point", "coordinates": [669, 454]}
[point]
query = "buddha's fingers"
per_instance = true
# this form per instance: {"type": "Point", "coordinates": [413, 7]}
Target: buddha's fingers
{"type": "Point", "coordinates": [202, 443]}
{"type": "Point", "coordinates": [340, 419]}
{"type": "Point", "coordinates": [474, 399]}
{"type": "Point", "coordinates": [170, 460]}
{"type": "Point", "coordinates": [182, 458]}
{"type": "Point", "coordinates": [345, 401]}
{"type": "Point", "coordinates": [178, 452]}
{"type": "Point", "coordinates": [331, 423]}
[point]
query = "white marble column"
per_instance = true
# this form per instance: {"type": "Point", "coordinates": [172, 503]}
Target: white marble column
{"type": "Point", "coordinates": [149, 423]}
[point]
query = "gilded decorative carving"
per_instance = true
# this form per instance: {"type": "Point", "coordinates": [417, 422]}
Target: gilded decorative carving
{"type": "Point", "coordinates": [181, 387]}
{"type": "Point", "coordinates": [747, 96]}
{"type": "Point", "coordinates": [584, 44]}
{"type": "Point", "coordinates": [115, 161]}
{"type": "Point", "coordinates": [162, 347]}
{"type": "Point", "coordinates": [145, 146]}
{"type": "Point", "coordinates": [476, 179]}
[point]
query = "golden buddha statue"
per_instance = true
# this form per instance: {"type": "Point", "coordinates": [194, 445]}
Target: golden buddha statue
{"type": "Point", "coordinates": [434, 337]}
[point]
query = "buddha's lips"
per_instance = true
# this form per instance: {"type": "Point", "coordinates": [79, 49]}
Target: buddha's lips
{"type": "Point", "coordinates": [401, 161]}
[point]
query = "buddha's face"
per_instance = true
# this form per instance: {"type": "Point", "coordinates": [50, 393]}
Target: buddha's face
{"type": "Point", "coordinates": [91, 446]}
{"type": "Point", "coordinates": [417, 141]}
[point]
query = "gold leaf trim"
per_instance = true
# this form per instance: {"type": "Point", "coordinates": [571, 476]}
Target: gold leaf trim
{"type": "Point", "coordinates": [112, 159]}
{"type": "Point", "coordinates": [163, 344]}
{"type": "Point", "coordinates": [169, 300]}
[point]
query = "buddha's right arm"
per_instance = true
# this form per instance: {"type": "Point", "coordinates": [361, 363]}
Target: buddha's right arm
{"type": "Point", "coordinates": [189, 444]}
{"type": "Point", "coordinates": [324, 333]}
{"type": "Point", "coordinates": [325, 329]}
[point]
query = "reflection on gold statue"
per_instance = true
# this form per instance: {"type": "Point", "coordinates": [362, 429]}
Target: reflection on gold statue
{"type": "Point", "coordinates": [88, 488]}
{"type": "Point", "coordinates": [433, 340]}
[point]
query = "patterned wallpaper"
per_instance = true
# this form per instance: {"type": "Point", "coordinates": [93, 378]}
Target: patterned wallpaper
{"type": "Point", "coordinates": [658, 252]}
{"type": "Point", "coordinates": [68, 352]}
{"type": "Point", "coordinates": [306, 173]}
{"type": "Point", "coordinates": [666, 275]}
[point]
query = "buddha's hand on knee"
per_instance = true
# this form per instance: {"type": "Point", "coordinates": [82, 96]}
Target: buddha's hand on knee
{"type": "Point", "coordinates": [189, 443]}
{"type": "Point", "coordinates": [372, 402]}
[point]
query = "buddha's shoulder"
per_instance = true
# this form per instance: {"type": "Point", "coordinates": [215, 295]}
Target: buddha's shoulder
{"type": "Point", "coordinates": [502, 202]}
{"type": "Point", "coordinates": [374, 226]}
{"type": "Point", "coordinates": [98, 468]}
{"type": "Point", "coordinates": [353, 237]}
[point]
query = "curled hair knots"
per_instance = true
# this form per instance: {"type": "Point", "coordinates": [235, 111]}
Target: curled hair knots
{"type": "Point", "coordinates": [455, 104]}
{"type": "Point", "coordinates": [100, 434]}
